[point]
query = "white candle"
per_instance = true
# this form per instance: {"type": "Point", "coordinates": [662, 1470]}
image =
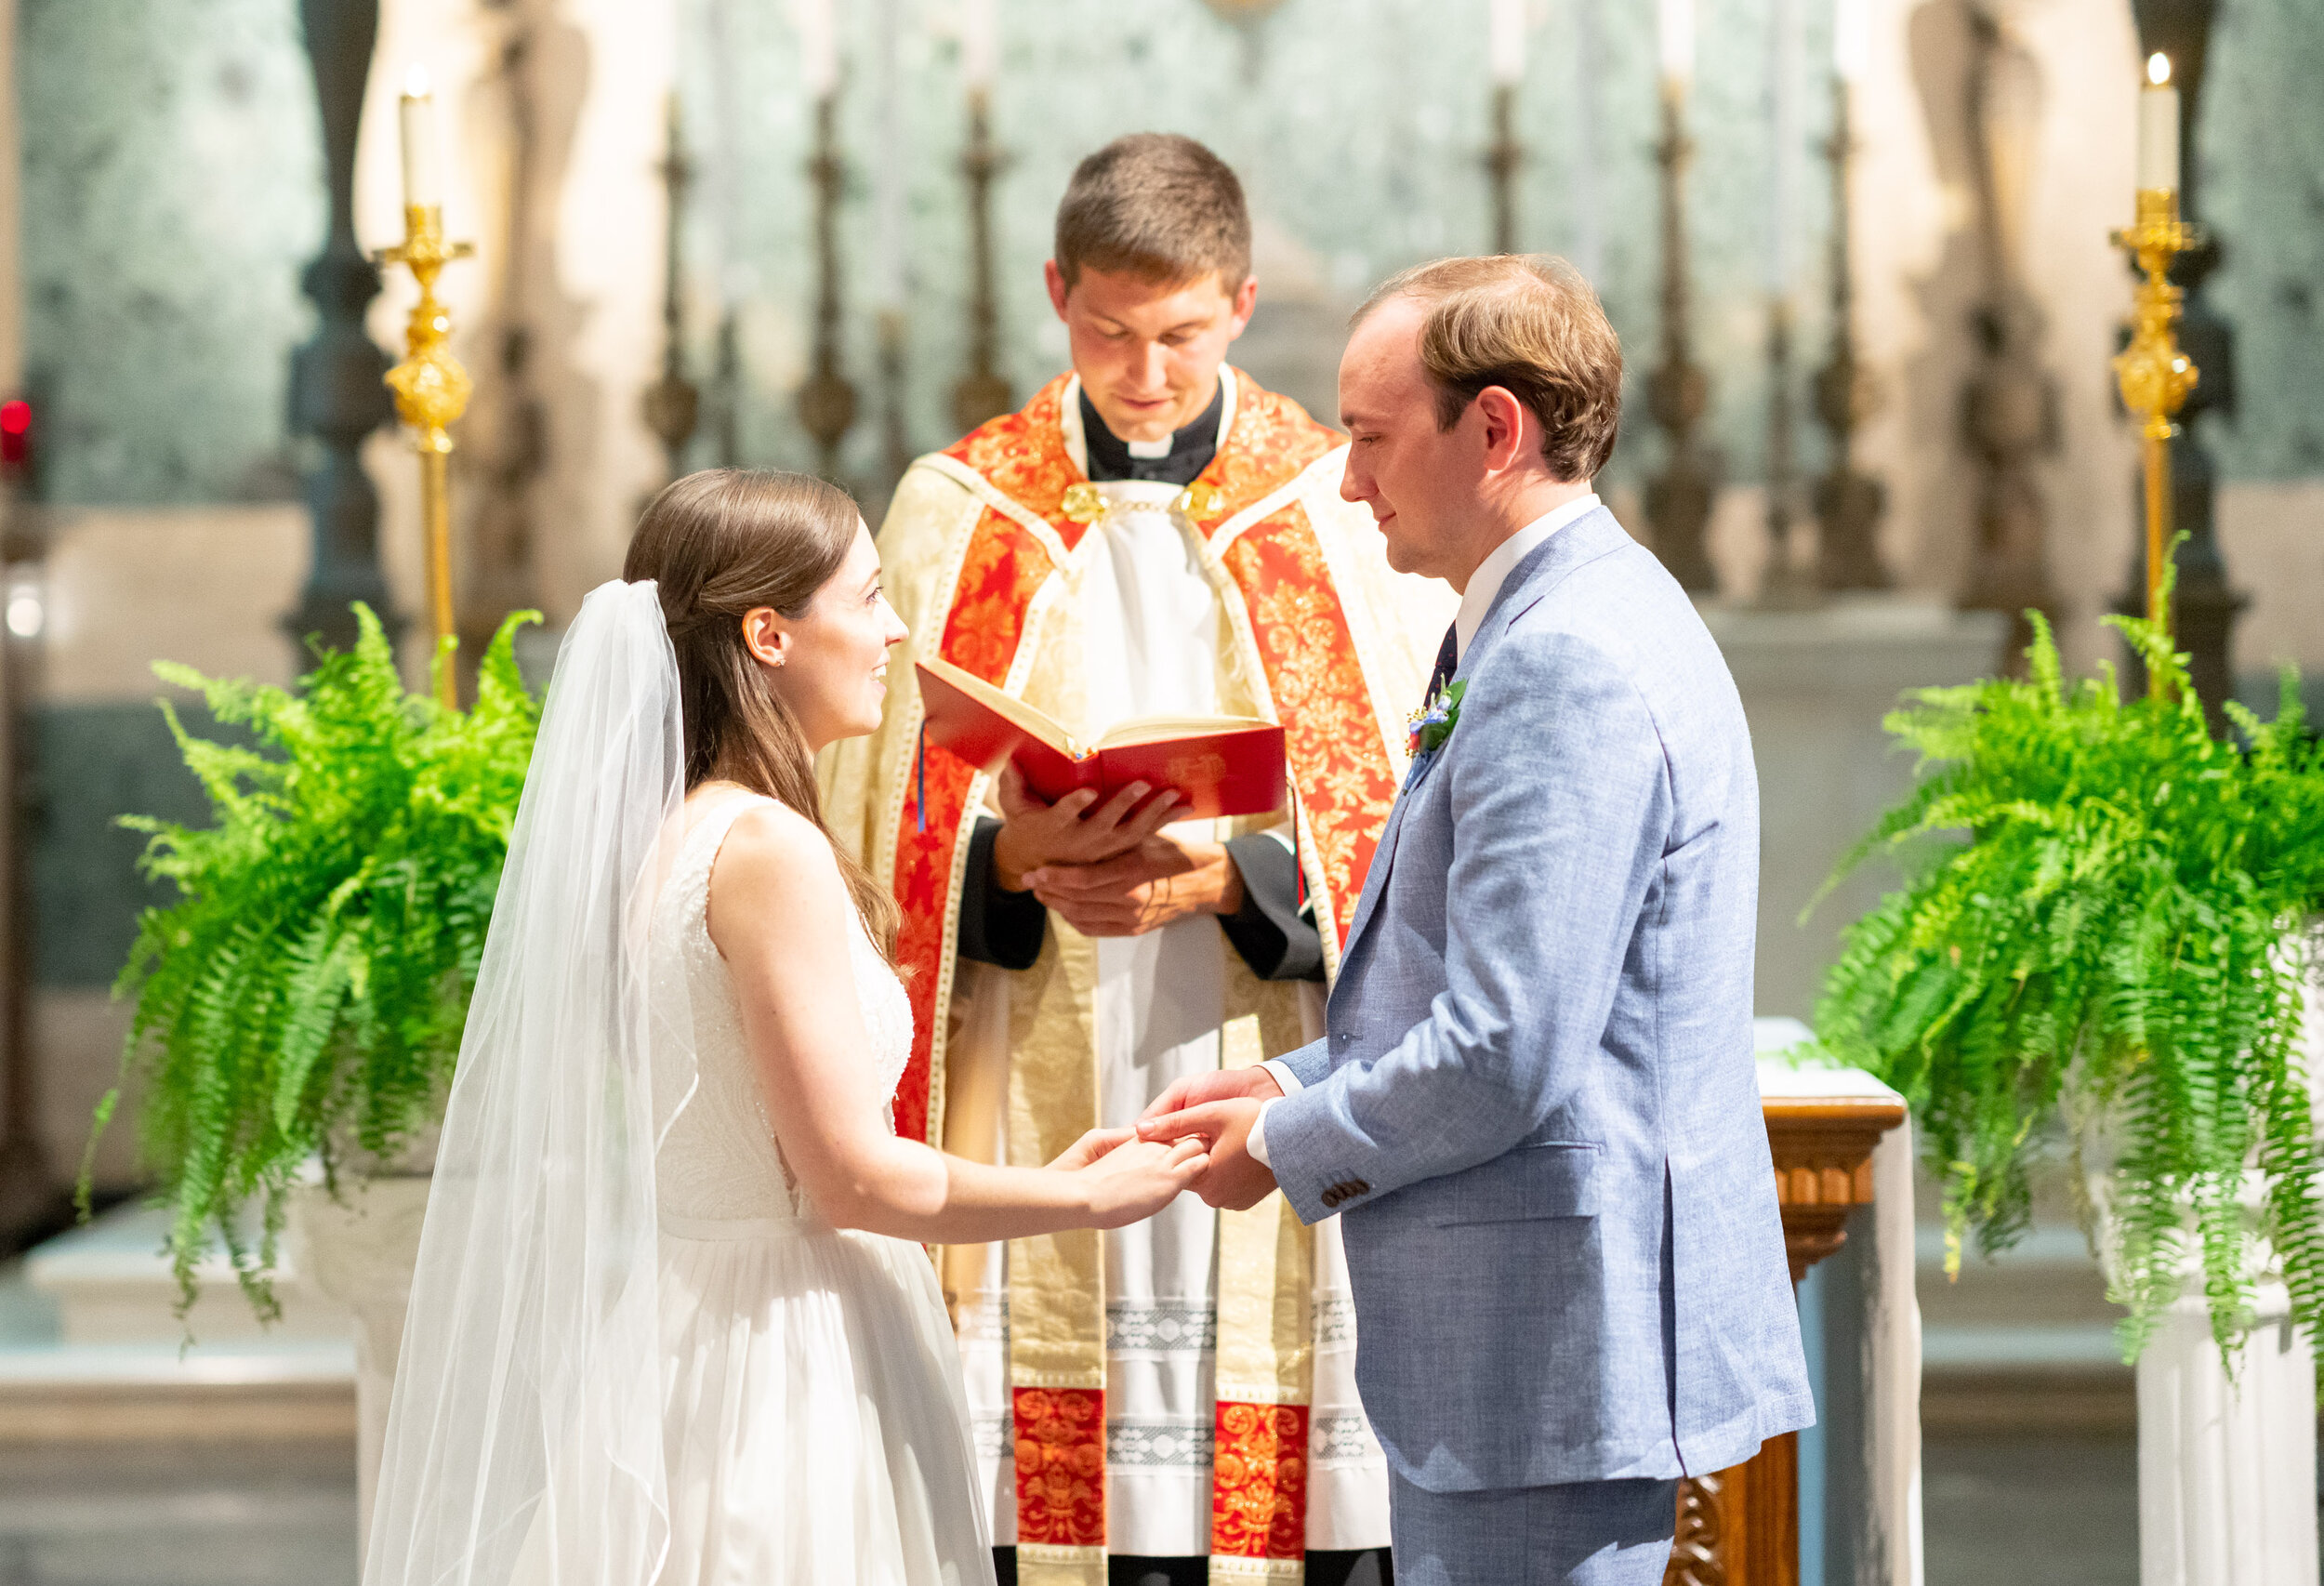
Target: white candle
{"type": "Point", "coordinates": [1851, 40]}
{"type": "Point", "coordinates": [2158, 128]}
{"type": "Point", "coordinates": [1784, 71]}
{"type": "Point", "coordinates": [1675, 32]}
{"type": "Point", "coordinates": [1508, 39]}
{"type": "Point", "coordinates": [980, 43]}
{"type": "Point", "coordinates": [818, 46]}
{"type": "Point", "coordinates": [423, 176]}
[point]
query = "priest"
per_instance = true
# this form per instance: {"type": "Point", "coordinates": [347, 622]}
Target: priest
{"type": "Point", "coordinates": [1152, 534]}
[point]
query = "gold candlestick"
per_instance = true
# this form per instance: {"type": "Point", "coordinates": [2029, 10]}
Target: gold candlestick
{"type": "Point", "coordinates": [431, 392]}
{"type": "Point", "coordinates": [2154, 375]}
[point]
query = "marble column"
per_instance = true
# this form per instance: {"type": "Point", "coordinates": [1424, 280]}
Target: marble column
{"type": "Point", "coordinates": [361, 1253]}
{"type": "Point", "coordinates": [335, 391]}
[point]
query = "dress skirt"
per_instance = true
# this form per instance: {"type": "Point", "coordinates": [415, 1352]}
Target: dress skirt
{"type": "Point", "coordinates": [814, 1425]}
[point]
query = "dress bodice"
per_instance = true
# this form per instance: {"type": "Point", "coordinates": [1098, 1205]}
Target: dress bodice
{"type": "Point", "coordinates": [719, 1161]}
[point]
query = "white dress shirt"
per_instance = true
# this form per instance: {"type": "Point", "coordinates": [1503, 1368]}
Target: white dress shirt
{"type": "Point", "coordinates": [1475, 600]}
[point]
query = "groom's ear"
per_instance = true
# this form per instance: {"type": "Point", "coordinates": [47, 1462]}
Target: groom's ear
{"type": "Point", "coordinates": [1503, 417]}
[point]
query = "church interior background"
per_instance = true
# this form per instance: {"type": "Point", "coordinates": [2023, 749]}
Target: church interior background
{"type": "Point", "coordinates": [809, 234]}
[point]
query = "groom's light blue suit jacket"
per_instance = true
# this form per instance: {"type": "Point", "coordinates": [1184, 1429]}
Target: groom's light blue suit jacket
{"type": "Point", "coordinates": [1535, 1108]}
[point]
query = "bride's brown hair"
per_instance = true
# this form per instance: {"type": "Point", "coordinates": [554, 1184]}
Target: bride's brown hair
{"type": "Point", "coordinates": [720, 544]}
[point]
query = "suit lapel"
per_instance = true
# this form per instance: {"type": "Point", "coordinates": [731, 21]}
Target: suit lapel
{"type": "Point", "coordinates": [1583, 540]}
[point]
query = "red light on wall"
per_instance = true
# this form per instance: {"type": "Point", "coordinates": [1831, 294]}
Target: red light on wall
{"type": "Point", "coordinates": [16, 432]}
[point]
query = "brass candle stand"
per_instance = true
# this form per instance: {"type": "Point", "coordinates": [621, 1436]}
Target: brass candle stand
{"type": "Point", "coordinates": [1785, 586]}
{"type": "Point", "coordinates": [2154, 375]}
{"type": "Point", "coordinates": [1848, 503]}
{"type": "Point", "coordinates": [1502, 158]}
{"type": "Point", "coordinates": [672, 404]}
{"type": "Point", "coordinates": [1679, 499]}
{"type": "Point", "coordinates": [826, 402]}
{"type": "Point", "coordinates": [983, 393]}
{"type": "Point", "coordinates": [431, 392]}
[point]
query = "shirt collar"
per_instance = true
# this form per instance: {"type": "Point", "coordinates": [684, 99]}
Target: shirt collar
{"type": "Point", "coordinates": [1179, 461]}
{"type": "Point", "coordinates": [1494, 571]}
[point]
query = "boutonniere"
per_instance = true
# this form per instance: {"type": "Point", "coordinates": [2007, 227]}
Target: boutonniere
{"type": "Point", "coordinates": [1435, 722]}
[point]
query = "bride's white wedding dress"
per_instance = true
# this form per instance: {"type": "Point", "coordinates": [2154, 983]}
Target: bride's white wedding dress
{"type": "Point", "coordinates": [814, 1429]}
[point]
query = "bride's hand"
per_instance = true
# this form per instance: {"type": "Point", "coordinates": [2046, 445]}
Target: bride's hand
{"type": "Point", "coordinates": [1134, 1179]}
{"type": "Point", "coordinates": [1092, 1146]}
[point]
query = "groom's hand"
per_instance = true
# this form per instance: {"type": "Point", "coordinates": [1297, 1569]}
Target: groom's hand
{"type": "Point", "coordinates": [1235, 1180]}
{"type": "Point", "coordinates": [1216, 1085]}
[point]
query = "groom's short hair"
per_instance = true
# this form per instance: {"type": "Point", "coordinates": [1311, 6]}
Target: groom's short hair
{"type": "Point", "coordinates": [1530, 323]}
{"type": "Point", "coordinates": [1157, 206]}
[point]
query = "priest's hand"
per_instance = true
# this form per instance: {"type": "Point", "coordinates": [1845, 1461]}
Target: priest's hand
{"type": "Point", "coordinates": [1033, 834]}
{"type": "Point", "coordinates": [1235, 1180]}
{"type": "Point", "coordinates": [1164, 877]}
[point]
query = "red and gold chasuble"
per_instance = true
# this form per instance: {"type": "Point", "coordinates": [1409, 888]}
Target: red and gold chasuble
{"type": "Point", "coordinates": [1274, 579]}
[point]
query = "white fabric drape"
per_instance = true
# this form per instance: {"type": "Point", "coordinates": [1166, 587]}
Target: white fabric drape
{"type": "Point", "coordinates": [525, 1442]}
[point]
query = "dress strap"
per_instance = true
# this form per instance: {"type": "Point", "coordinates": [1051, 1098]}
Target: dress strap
{"type": "Point", "coordinates": [712, 828]}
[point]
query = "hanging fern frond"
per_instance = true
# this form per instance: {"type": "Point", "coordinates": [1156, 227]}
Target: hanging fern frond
{"type": "Point", "coordinates": [2102, 898]}
{"type": "Point", "coordinates": [307, 989]}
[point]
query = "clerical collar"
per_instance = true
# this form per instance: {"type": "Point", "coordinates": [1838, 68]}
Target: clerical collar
{"type": "Point", "coordinates": [1189, 453]}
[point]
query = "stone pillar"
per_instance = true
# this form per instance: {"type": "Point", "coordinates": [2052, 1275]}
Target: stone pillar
{"type": "Point", "coordinates": [362, 1254]}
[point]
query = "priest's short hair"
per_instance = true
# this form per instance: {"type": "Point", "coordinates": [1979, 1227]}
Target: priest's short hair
{"type": "Point", "coordinates": [1157, 206]}
{"type": "Point", "coordinates": [1530, 323]}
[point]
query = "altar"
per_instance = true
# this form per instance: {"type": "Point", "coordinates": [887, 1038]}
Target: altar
{"type": "Point", "coordinates": [1839, 1149]}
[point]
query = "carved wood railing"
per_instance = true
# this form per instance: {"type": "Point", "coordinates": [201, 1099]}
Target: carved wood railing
{"type": "Point", "coordinates": [1741, 1525]}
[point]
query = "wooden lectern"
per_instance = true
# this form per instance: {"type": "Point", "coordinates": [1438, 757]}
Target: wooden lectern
{"type": "Point", "coordinates": [1741, 1526]}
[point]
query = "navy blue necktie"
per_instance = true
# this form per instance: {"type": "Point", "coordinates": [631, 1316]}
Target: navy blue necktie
{"type": "Point", "coordinates": [1447, 663]}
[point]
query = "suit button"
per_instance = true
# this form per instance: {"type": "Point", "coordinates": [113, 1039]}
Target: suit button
{"type": "Point", "coordinates": [1346, 1189]}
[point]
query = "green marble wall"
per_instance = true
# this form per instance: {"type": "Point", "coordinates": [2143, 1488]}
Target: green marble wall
{"type": "Point", "coordinates": [172, 188]}
{"type": "Point", "coordinates": [2263, 138]}
{"type": "Point", "coordinates": [172, 193]}
{"type": "Point", "coordinates": [1357, 126]}
{"type": "Point", "coordinates": [93, 764]}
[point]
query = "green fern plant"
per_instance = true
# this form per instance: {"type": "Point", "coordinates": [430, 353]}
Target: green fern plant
{"type": "Point", "coordinates": [2122, 920]}
{"type": "Point", "coordinates": [303, 999]}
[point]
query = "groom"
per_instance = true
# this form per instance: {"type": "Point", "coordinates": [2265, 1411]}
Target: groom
{"type": "Point", "coordinates": [1536, 1106]}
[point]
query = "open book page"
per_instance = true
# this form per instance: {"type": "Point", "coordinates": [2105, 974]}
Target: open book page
{"type": "Point", "coordinates": [1036, 724]}
{"type": "Point", "coordinates": [1153, 729]}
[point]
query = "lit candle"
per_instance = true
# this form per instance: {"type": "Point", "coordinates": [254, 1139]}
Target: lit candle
{"type": "Point", "coordinates": [1675, 32]}
{"type": "Point", "coordinates": [2158, 128]}
{"type": "Point", "coordinates": [818, 46]}
{"type": "Point", "coordinates": [980, 43]}
{"type": "Point", "coordinates": [1508, 36]}
{"type": "Point", "coordinates": [1851, 41]}
{"type": "Point", "coordinates": [423, 178]}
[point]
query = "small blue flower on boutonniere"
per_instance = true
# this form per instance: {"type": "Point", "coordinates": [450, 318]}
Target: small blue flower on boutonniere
{"type": "Point", "coordinates": [1434, 724]}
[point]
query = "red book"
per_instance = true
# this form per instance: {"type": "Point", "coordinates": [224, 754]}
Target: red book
{"type": "Point", "coordinates": [1217, 765]}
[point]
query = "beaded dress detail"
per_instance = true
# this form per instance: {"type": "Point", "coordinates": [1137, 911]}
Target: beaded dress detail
{"type": "Point", "coordinates": [814, 1429]}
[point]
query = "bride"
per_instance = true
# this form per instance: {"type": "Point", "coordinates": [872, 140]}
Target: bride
{"type": "Point", "coordinates": [671, 1323]}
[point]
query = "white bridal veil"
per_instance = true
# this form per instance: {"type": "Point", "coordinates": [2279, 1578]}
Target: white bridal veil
{"type": "Point", "coordinates": [524, 1443]}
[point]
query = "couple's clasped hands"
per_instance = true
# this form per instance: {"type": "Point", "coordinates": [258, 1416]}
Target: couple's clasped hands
{"type": "Point", "coordinates": [1109, 869]}
{"type": "Point", "coordinates": [1195, 1136]}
